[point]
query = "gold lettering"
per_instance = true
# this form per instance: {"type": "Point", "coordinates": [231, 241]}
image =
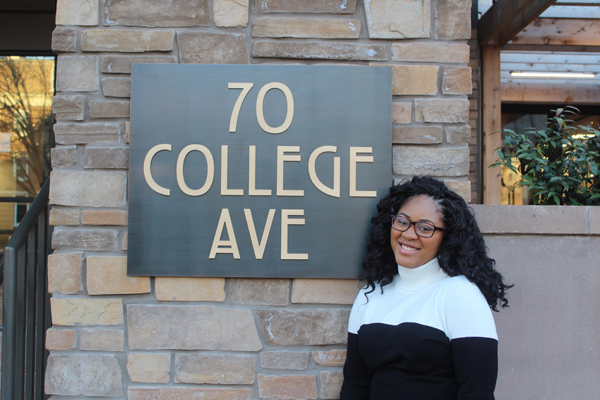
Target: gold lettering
{"type": "Point", "coordinates": [281, 158]}
{"type": "Point", "coordinates": [224, 246]}
{"type": "Point", "coordinates": [354, 159]}
{"type": "Point", "coordinates": [285, 222]}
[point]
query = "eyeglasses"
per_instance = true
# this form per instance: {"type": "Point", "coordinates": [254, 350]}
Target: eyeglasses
{"type": "Point", "coordinates": [422, 228]}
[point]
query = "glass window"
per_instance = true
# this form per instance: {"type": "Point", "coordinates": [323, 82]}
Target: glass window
{"type": "Point", "coordinates": [520, 118]}
{"type": "Point", "coordinates": [26, 90]}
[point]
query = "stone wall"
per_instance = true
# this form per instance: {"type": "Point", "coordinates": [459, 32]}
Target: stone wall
{"type": "Point", "coordinates": [134, 338]}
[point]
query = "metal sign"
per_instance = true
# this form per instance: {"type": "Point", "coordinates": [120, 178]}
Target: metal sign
{"type": "Point", "coordinates": [256, 170]}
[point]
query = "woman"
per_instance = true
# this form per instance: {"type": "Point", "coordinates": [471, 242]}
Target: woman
{"type": "Point", "coordinates": [422, 328]}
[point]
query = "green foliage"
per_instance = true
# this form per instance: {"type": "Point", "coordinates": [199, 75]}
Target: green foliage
{"type": "Point", "coordinates": [560, 165]}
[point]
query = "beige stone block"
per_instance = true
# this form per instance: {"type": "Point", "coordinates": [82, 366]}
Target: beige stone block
{"type": "Point", "coordinates": [127, 131]}
{"type": "Point", "coordinates": [537, 220]}
{"type": "Point", "coordinates": [104, 217]}
{"type": "Point", "coordinates": [122, 64]}
{"type": "Point", "coordinates": [230, 13]}
{"type": "Point", "coordinates": [458, 134]}
{"type": "Point", "coordinates": [63, 216]}
{"type": "Point", "coordinates": [325, 291]}
{"type": "Point", "coordinates": [191, 327]}
{"type": "Point", "coordinates": [462, 188]}
{"type": "Point", "coordinates": [102, 339]}
{"type": "Point", "coordinates": [212, 48]}
{"type": "Point", "coordinates": [221, 369]}
{"type": "Point", "coordinates": [67, 108]}
{"type": "Point", "coordinates": [287, 387]}
{"type": "Point", "coordinates": [149, 367]}
{"type": "Point", "coordinates": [331, 358]}
{"type": "Point", "coordinates": [77, 73]}
{"type": "Point", "coordinates": [297, 360]}
{"type": "Point", "coordinates": [109, 109]}
{"type": "Point", "coordinates": [260, 291]}
{"type": "Point", "coordinates": [431, 51]}
{"type": "Point", "coordinates": [64, 40]}
{"type": "Point", "coordinates": [86, 239]}
{"type": "Point", "coordinates": [171, 393]}
{"type": "Point", "coordinates": [189, 289]}
{"type": "Point", "coordinates": [442, 110]}
{"type": "Point", "coordinates": [453, 19]}
{"type": "Point", "coordinates": [416, 134]}
{"type": "Point", "coordinates": [95, 132]}
{"type": "Point", "coordinates": [124, 242]}
{"type": "Point", "coordinates": [414, 79]}
{"type": "Point", "coordinates": [310, 327]}
{"type": "Point", "coordinates": [108, 275]}
{"type": "Point", "coordinates": [64, 272]}
{"type": "Point", "coordinates": [76, 311]}
{"type": "Point", "coordinates": [326, 28]}
{"type": "Point", "coordinates": [106, 158]}
{"type": "Point", "coordinates": [398, 19]}
{"type": "Point", "coordinates": [320, 51]}
{"type": "Point", "coordinates": [60, 339]}
{"type": "Point", "coordinates": [331, 384]}
{"type": "Point", "coordinates": [436, 161]}
{"type": "Point", "coordinates": [156, 13]}
{"type": "Point", "coordinates": [64, 156]}
{"type": "Point", "coordinates": [457, 81]}
{"type": "Point", "coordinates": [77, 12]}
{"type": "Point", "coordinates": [401, 113]}
{"type": "Point", "coordinates": [116, 87]}
{"type": "Point", "coordinates": [92, 189]}
{"type": "Point", "coordinates": [83, 374]}
{"type": "Point", "coordinates": [306, 7]}
{"type": "Point", "coordinates": [127, 40]}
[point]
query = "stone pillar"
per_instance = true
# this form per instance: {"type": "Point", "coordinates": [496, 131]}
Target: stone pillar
{"type": "Point", "coordinates": [143, 337]}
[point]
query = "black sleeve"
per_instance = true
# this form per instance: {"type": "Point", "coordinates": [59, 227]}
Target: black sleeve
{"type": "Point", "coordinates": [476, 367]}
{"type": "Point", "coordinates": [357, 383]}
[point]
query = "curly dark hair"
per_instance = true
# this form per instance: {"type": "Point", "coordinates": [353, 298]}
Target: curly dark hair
{"type": "Point", "coordinates": [462, 250]}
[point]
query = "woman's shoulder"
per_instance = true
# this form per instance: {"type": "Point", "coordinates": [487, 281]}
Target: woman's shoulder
{"type": "Point", "coordinates": [460, 285]}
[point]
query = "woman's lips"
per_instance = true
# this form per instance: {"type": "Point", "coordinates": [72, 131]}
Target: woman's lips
{"type": "Point", "coordinates": [407, 248]}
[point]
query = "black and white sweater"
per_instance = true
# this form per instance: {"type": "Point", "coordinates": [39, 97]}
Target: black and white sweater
{"type": "Point", "coordinates": [427, 337]}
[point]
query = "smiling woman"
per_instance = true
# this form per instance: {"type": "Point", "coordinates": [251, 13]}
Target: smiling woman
{"type": "Point", "coordinates": [422, 325]}
{"type": "Point", "coordinates": [413, 248]}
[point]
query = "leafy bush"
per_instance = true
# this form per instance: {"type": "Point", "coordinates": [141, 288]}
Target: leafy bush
{"type": "Point", "coordinates": [558, 164]}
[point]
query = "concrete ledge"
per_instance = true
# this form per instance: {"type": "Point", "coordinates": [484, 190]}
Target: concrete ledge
{"type": "Point", "coordinates": [549, 220]}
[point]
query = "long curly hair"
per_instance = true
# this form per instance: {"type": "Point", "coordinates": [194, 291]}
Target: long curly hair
{"type": "Point", "coordinates": [462, 250]}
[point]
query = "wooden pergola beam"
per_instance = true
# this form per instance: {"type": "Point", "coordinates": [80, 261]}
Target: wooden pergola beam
{"type": "Point", "coordinates": [560, 31]}
{"type": "Point", "coordinates": [492, 123]}
{"type": "Point", "coordinates": [506, 18]}
{"type": "Point", "coordinates": [550, 47]}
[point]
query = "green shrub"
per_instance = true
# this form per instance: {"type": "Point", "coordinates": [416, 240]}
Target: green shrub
{"type": "Point", "coordinates": [558, 164]}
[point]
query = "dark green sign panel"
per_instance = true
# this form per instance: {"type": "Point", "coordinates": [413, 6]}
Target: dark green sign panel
{"type": "Point", "coordinates": [256, 170]}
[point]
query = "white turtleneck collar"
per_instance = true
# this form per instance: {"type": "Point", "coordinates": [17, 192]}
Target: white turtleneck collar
{"type": "Point", "coordinates": [413, 279]}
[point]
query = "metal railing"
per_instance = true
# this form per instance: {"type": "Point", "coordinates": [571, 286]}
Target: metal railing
{"type": "Point", "coordinates": [26, 305]}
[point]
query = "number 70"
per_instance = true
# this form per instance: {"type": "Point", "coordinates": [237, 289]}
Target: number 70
{"type": "Point", "coordinates": [246, 86]}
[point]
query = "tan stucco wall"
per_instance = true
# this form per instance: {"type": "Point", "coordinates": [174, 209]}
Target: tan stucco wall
{"type": "Point", "coordinates": [549, 346]}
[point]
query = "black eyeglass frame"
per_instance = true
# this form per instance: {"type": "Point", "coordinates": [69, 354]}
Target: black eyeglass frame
{"type": "Point", "coordinates": [410, 223]}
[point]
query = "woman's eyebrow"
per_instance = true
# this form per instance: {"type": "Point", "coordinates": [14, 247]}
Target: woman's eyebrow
{"type": "Point", "coordinates": [421, 220]}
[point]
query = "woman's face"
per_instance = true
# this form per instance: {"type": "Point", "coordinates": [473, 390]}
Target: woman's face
{"type": "Point", "coordinates": [411, 250]}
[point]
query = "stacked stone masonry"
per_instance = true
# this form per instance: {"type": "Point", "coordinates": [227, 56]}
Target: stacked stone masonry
{"type": "Point", "coordinates": [121, 337]}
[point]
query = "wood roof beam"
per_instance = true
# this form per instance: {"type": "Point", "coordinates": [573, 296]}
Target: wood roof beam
{"type": "Point", "coordinates": [507, 18]}
{"type": "Point", "coordinates": [559, 31]}
{"type": "Point", "coordinates": [550, 47]}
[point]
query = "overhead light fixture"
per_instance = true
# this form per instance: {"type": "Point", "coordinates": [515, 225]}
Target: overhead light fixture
{"type": "Point", "coordinates": [552, 74]}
